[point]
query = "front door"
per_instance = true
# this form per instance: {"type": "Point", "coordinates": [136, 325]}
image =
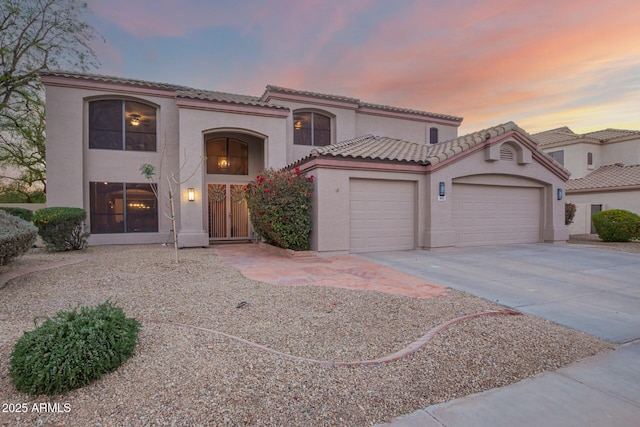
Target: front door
{"type": "Point", "coordinates": [228, 213]}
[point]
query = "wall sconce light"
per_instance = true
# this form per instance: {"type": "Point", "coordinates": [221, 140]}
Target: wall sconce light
{"type": "Point", "coordinates": [191, 194]}
{"type": "Point", "coordinates": [560, 193]}
{"type": "Point", "coordinates": [441, 191]}
{"type": "Point", "coordinates": [134, 119]}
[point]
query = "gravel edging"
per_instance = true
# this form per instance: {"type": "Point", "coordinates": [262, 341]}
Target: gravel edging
{"type": "Point", "coordinates": [190, 377]}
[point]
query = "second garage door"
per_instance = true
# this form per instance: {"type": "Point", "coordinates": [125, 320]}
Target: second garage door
{"type": "Point", "coordinates": [491, 214]}
{"type": "Point", "coordinates": [382, 215]}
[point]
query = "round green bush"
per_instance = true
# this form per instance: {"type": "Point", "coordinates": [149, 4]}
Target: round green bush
{"type": "Point", "coordinates": [72, 349]}
{"type": "Point", "coordinates": [616, 225]}
{"type": "Point", "coordinates": [62, 228]}
{"type": "Point", "coordinates": [22, 213]}
{"type": "Point", "coordinates": [16, 237]}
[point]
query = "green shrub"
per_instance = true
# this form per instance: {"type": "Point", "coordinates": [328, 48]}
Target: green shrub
{"type": "Point", "coordinates": [569, 213]}
{"type": "Point", "coordinates": [26, 214]}
{"type": "Point", "coordinates": [16, 237]}
{"type": "Point", "coordinates": [280, 206]}
{"type": "Point", "coordinates": [72, 349]}
{"type": "Point", "coordinates": [61, 228]}
{"type": "Point", "coordinates": [12, 195]}
{"type": "Point", "coordinates": [616, 225]}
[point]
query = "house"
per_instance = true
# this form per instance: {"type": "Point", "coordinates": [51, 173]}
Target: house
{"type": "Point", "coordinates": [386, 178]}
{"type": "Point", "coordinates": [605, 170]}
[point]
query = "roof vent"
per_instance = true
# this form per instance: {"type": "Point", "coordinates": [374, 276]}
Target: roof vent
{"type": "Point", "coordinates": [506, 153]}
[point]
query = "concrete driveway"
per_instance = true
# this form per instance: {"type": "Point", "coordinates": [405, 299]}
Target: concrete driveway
{"type": "Point", "coordinates": [592, 290]}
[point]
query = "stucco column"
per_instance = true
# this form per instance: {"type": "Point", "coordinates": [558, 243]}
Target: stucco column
{"type": "Point", "coordinates": [191, 230]}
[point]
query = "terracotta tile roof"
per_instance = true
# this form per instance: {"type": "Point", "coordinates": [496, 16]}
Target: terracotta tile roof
{"type": "Point", "coordinates": [230, 98]}
{"type": "Point", "coordinates": [382, 148]}
{"type": "Point", "coordinates": [565, 135]}
{"type": "Point", "coordinates": [112, 79]}
{"type": "Point", "coordinates": [554, 135]}
{"type": "Point", "coordinates": [359, 103]}
{"type": "Point", "coordinates": [179, 90]}
{"type": "Point", "coordinates": [447, 149]}
{"type": "Point", "coordinates": [610, 176]}
{"type": "Point", "coordinates": [609, 134]}
{"type": "Point", "coordinates": [279, 89]}
{"type": "Point", "coordinates": [410, 111]}
{"type": "Point", "coordinates": [375, 148]}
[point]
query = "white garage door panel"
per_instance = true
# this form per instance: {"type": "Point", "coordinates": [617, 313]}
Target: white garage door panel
{"type": "Point", "coordinates": [488, 215]}
{"type": "Point", "coordinates": [382, 215]}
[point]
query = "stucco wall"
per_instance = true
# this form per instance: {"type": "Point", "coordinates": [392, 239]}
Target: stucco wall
{"type": "Point", "coordinates": [439, 231]}
{"type": "Point", "coordinates": [408, 130]}
{"type": "Point", "coordinates": [71, 165]}
{"type": "Point", "coordinates": [627, 200]}
{"type": "Point", "coordinates": [627, 152]}
{"type": "Point", "coordinates": [575, 158]}
{"type": "Point", "coordinates": [342, 122]}
{"type": "Point", "coordinates": [194, 124]}
{"type": "Point", "coordinates": [330, 234]}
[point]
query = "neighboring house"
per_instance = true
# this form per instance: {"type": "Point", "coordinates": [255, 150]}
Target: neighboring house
{"type": "Point", "coordinates": [605, 170]}
{"type": "Point", "coordinates": [415, 185]}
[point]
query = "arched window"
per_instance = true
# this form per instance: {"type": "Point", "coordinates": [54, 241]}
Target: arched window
{"type": "Point", "coordinates": [116, 124]}
{"type": "Point", "coordinates": [311, 128]}
{"type": "Point", "coordinates": [228, 156]}
{"type": "Point", "coordinates": [433, 135]}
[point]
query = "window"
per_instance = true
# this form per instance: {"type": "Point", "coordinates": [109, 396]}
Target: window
{"type": "Point", "coordinates": [227, 156]}
{"type": "Point", "coordinates": [558, 156]}
{"type": "Point", "coordinates": [311, 129]}
{"type": "Point", "coordinates": [433, 135]}
{"type": "Point", "coordinates": [122, 125]}
{"type": "Point", "coordinates": [589, 159]}
{"type": "Point", "coordinates": [117, 207]}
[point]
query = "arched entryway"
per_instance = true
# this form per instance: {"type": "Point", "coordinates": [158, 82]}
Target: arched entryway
{"type": "Point", "coordinates": [233, 158]}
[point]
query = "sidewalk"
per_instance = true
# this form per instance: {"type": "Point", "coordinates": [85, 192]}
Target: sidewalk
{"type": "Point", "coordinates": [601, 391]}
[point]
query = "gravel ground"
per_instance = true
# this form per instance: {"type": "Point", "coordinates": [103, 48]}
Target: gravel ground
{"type": "Point", "coordinates": [186, 377]}
{"type": "Point", "coordinates": [594, 240]}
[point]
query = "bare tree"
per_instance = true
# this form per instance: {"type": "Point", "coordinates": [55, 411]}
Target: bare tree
{"type": "Point", "coordinates": [173, 183]}
{"type": "Point", "coordinates": [22, 146]}
{"type": "Point", "coordinates": [36, 35]}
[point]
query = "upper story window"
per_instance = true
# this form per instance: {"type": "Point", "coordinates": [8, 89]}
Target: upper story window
{"type": "Point", "coordinates": [558, 156]}
{"type": "Point", "coordinates": [589, 159]}
{"type": "Point", "coordinates": [227, 156]}
{"type": "Point", "coordinates": [433, 135]}
{"type": "Point", "coordinates": [311, 128]}
{"type": "Point", "coordinates": [116, 124]}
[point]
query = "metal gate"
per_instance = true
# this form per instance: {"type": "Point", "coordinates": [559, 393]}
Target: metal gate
{"type": "Point", "coordinates": [228, 213]}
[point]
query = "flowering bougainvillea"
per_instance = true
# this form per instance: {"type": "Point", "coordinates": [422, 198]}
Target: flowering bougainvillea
{"type": "Point", "coordinates": [280, 206]}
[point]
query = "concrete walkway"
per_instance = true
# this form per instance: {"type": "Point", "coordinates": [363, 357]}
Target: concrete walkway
{"type": "Point", "coordinates": [592, 290]}
{"type": "Point", "coordinates": [602, 391]}
{"type": "Point", "coordinates": [589, 289]}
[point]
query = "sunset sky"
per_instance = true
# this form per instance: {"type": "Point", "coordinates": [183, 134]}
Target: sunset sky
{"type": "Point", "coordinates": [541, 64]}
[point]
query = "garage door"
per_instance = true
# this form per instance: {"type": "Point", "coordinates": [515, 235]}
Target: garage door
{"type": "Point", "coordinates": [489, 215]}
{"type": "Point", "coordinates": [382, 215]}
